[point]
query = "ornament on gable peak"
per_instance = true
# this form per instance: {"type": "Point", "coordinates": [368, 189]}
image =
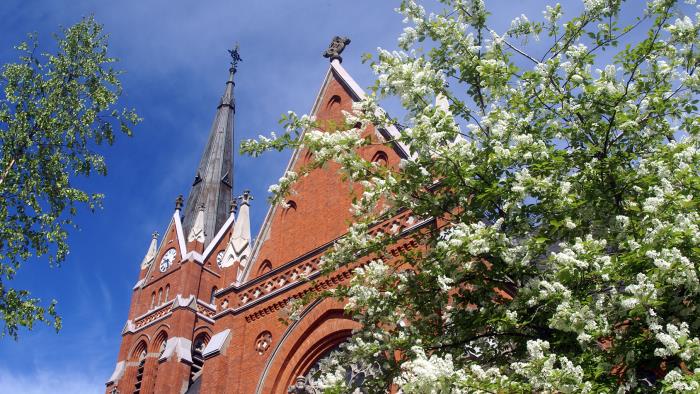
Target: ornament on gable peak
{"type": "Point", "coordinates": [336, 48]}
{"type": "Point", "coordinates": [197, 231]}
{"type": "Point", "coordinates": [246, 198]}
{"type": "Point", "coordinates": [151, 253]}
{"type": "Point", "coordinates": [233, 206]}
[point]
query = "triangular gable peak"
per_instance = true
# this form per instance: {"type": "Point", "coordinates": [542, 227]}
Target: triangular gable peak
{"type": "Point", "coordinates": [218, 243]}
{"type": "Point", "coordinates": [319, 210]}
{"type": "Point", "coordinates": [173, 238]}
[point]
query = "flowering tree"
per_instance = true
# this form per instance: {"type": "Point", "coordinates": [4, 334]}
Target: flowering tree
{"type": "Point", "coordinates": [560, 161]}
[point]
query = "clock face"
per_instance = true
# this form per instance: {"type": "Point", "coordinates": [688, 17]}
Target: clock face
{"type": "Point", "coordinates": [167, 259]}
{"type": "Point", "coordinates": [220, 258]}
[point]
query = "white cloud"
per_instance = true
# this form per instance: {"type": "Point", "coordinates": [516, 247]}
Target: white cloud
{"type": "Point", "coordinates": [54, 382]}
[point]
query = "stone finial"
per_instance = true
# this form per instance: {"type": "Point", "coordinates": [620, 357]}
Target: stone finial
{"type": "Point", "coordinates": [233, 206]}
{"type": "Point", "coordinates": [202, 206]}
{"type": "Point", "coordinates": [246, 198]}
{"type": "Point", "coordinates": [179, 201]}
{"type": "Point", "coordinates": [155, 235]}
{"type": "Point", "coordinates": [336, 48]}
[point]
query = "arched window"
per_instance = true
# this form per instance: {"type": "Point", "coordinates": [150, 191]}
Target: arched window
{"type": "Point", "coordinates": [198, 345]}
{"type": "Point", "coordinates": [159, 343]}
{"type": "Point", "coordinates": [140, 356]}
{"type": "Point", "coordinates": [153, 299]}
{"type": "Point", "coordinates": [160, 296]}
{"type": "Point", "coordinates": [290, 205]}
{"type": "Point", "coordinates": [380, 158]}
{"type": "Point", "coordinates": [264, 267]}
{"type": "Point", "coordinates": [167, 292]}
{"type": "Point", "coordinates": [212, 298]}
{"type": "Point", "coordinates": [334, 100]}
{"type": "Point", "coordinates": [354, 376]}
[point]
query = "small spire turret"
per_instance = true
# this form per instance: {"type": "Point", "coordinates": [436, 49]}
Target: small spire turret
{"type": "Point", "coordinates": [151, 253]}
{"type": "Point", "coordinates": [241, 239]}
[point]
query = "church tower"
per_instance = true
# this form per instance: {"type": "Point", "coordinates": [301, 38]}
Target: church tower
{"type": "Point", "coordinates": [161, 347]}
{"type": "Point", "coordinates": [208, 310]}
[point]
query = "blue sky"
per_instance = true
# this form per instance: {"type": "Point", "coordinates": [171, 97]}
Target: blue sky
{"type": "Point", "coordinates": [175, 56]}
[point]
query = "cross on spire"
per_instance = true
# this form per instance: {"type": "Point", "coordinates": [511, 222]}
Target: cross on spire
{"type": "Point", "coordinates": [235, 58]}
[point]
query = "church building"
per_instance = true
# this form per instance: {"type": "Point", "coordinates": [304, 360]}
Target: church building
{"type": "Point", "coordinates": [208, 306]}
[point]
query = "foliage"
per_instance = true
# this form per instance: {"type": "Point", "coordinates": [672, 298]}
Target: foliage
{"type": "Point", "coordinates": [54, 111]}
{"type": "Point", "coordinates": [560, 165]}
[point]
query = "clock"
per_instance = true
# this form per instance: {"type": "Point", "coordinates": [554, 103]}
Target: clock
{"type": "Point", "coordinates": [220, 258]}
{"type": "Point", "coordinates": [167, 259]}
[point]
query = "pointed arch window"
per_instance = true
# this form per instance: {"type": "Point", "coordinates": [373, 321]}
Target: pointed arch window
{"type": "Point", "coordinates": [290, 205]}
{"type": "Point", "coordinates": [160, 296]}
{"type": "Point", "coordinates": [213, 297]}
{"type": "Point", "coordinates": [140, 353]}
{"type": "Point", "coordinates": [153, 299]}
{"type": "Point", "coordinates": [160, 344]}
{"type": "Point", "coordinates": [167, 292]}
{"type": "Point", "coordinates": [380, 158]}
{"type": "Point", "coordinates": [333, 101]}
{"type": "Point", "coordinates": [355, 375]}
{"type": "Point", "coordinates": [198, 345]}
{"type": "Point", "coordinates": [264, 267]}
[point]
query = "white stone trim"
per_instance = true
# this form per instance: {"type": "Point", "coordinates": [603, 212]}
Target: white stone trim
{"type": "Point", "coordinates": [128, 327]}
{"type": "Point", "coordinates": [347, 79]}
{"type": "Point", "coordinates": [180, 235]}
{"type": "Point", "coordinates": [118, 372]}
{"type": "Point", "coordinates": [197, 230]}
{"type": "Point", "coordinates": [139, 283]}
{"type": "Point", "coordinates": [177, 346]}
{"type": "Point", "coordinates": [217, 344]}
{"type": "Point", "coordinates": [217, 238]}
{"type": "Point", "coordinates": [193, 255]}
{"type": "Point", "coordinates": [185, 302]}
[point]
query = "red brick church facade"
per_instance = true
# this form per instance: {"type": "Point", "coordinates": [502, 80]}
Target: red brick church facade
{"type": "Point", "coordinates": [205, 311]}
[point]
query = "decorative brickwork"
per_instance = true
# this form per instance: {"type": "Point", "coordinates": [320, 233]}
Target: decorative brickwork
{"type": "Point", "coordinates": [222, 329]}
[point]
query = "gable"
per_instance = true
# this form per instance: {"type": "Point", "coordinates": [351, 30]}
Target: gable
{"type": "Point", "coordinates": [170, 240]}
{"type": "Point", "coordinates": [319, 207]}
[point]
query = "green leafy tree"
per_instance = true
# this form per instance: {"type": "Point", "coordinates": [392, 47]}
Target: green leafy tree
{"type": "Point", "coordinates": [56, 108]}
{"type": "Point", "coordinates": [560, 161]}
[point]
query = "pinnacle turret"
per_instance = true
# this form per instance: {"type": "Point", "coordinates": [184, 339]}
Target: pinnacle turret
{"type": "Point", "coordinates": [213, 181]}
{"type": "Point", "coordinates": [151, 253]}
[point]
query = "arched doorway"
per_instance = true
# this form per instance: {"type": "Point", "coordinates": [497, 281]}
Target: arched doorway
{"type": "Point", "coordinates": [321, 328]}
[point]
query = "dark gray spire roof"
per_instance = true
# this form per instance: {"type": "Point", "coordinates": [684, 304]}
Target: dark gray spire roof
{"type": "Point", "coordinates": [213, 181]}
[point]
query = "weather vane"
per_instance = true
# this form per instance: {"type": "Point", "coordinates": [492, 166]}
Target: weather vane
{"type": "Point", "coordinates": [235, 57]}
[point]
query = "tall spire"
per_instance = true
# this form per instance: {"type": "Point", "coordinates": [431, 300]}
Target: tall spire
{"type": "Point", "coordinates": [213, 181]}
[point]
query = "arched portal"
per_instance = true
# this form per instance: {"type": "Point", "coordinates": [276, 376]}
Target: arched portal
{"type": "Point", "coordinates": [320, 329]}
